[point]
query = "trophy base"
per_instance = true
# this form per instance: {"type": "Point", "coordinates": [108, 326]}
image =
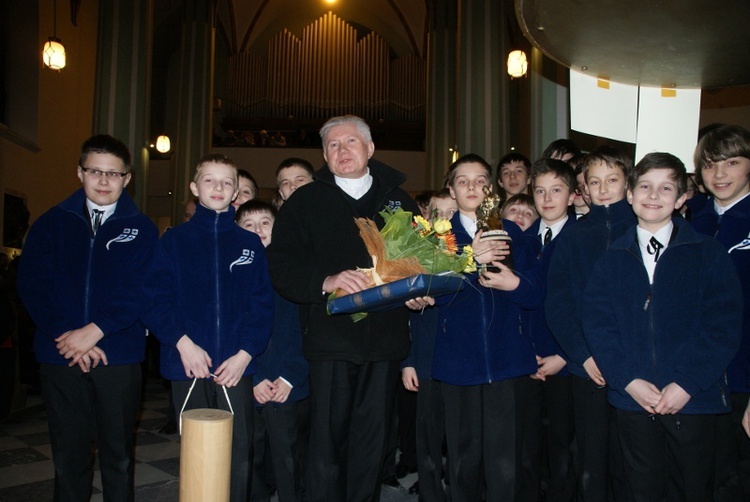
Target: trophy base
{"type": "Point", "coordinates": [498, 235]}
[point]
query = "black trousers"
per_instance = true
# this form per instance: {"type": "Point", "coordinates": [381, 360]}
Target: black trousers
{"type": "Point", "coordinates": [545, 420]}
{"type": "Point", "coordinates": [207, 394]}
{"type": "Point", "coordinates": [597, 455]}
{"type": "Point", "coordinates": [732, 454]}
{"type": "Point", "coordinates": [98, 406]}
{"type": "Point", "coordinates": [351, 406]}
{"type": "Point", "coordinates": [667, 457]}
{"type": "Point", "coordinates": [480, 431]}
{"type": "Point", "coordinates": [429, 439]}
{"type": "Point", "coordinates": [279, 428]}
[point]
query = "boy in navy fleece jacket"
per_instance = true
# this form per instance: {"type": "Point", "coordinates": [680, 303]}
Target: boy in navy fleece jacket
{"type": "Point", "coordinates": [80, 278]}
{"type": "Point", "coordinates": [211, 306]}
{"type": "Point", "coordinates": [722, 161]}
{"type": "Point", "coordinates": [597, 456]}
{"type": "Point", "coordinates": [280, 385]}
{"type": "Point", "coordinates": [662, 318]}
{"type": "Point", "coordinates": [547, 395]}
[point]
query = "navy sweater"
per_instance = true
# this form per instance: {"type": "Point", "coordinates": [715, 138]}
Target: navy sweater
{"type": "Point", "coordinates": [683, 328]}
{"type": "Point", "coordinates": [479, 338]}
{"type": "Point", "coordinates": [67, 279]}
{"type": "Point", "coordinates": [283, 357]}
{"type": "Point", "coordinates": [209, 280]}
{"type": "Point", "coordinates": [732, 230]}
{"type": "Point", "coordinates": [535, 320]}
{"type": "Point", "coordinates": [571, 265]}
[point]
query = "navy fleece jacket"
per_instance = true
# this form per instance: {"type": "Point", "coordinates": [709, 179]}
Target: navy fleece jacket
{"type": "Point", "coordinates": [479, 338]}
{"type": "Point", "coordinates": [67, 278]}
{"type": "Point", "coordinates": [209, 280]}
{"type": "Point", "coordinates": [683, 328]}
{"type": "Point", "coordinates": [571, 265]}
{"type": "Point", "coordinates": [732, 230]}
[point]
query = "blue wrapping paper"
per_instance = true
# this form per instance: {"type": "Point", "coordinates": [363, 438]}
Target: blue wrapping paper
{"type": "Point", "coordinates": [393, 294]}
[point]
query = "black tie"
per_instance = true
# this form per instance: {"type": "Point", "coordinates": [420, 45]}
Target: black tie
{"type": "Point", "coordinates": [547, 236]}
{"type": "Point", "coordinates": [96, 219]}
{"type": "Point", "coordinates": [654, 247]}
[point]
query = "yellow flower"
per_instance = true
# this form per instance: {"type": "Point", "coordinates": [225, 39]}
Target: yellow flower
{"type": "Point", "coordinates": [442, 226]}
{"type": "Point", "coordinates": [471, 265]}
{"type": "Point", "coordinates": [423, 226]}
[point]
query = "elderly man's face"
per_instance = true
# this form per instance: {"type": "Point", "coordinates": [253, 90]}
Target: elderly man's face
{"type": "Point", "coordinates": [346, 151]}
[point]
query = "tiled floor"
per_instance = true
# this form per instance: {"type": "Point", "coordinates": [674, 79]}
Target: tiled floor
{"type": "Point", "coordinates": [26, 471]}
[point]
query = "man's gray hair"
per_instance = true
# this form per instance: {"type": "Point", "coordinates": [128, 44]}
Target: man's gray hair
{"type": "Point", "coordinates": [358, 122]}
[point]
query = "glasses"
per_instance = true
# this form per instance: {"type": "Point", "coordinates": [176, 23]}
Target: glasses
{"type": "Point", "coordinates": [98, 173]}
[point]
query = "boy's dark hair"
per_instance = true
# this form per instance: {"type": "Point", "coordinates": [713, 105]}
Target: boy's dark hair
{"type": "Point", "coordinates": [423, 198]}
{"type": "Point", "coordinates": [520, 198]}
{"type": "Point", "coordinates": [721, 142]}
{"type": "Point", "coordinates": [254, 206]}
{"type": "Point", "coordinates": [560, 169]}
{"type": "Point", "coordinates": [217, 158]}
{"type": "Point", "coordinates": [611, 156]}
{"type": "Point", "coordinates": [291, 162]}
{"type": "Point", "coordinates": [514, 157]}
{"type": "Point", "coordinates": [469, 158]}
{"type": "Point", "coordinates": [242, 173]}
{"type": "Point", "coordinates": [660, 160]}
{"type": "Point", "coordinates": [104, 143]}
{"type": "Point", "coordinates": [576, 161]}
{"type": "Point", "coordinates": [559, 148]}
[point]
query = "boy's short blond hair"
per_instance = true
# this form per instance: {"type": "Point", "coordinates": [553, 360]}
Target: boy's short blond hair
{"type": "Point", "coordinates": [610, 156]}
{"type": "Point", "coordinates": [215, 158]}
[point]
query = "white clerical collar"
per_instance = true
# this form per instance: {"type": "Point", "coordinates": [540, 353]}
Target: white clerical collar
{"type": "Point", "coordinates": [469, 225]}
{"type": "Point", "coordinates": [355, 188]}
{"type": "Point", "coordinates": [108, 210]}
{"type": "Point", "coordinates": [721, 210]}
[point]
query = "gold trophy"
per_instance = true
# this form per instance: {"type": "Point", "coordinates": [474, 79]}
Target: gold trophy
{"type": "Point", "coordinates": [491, 224]}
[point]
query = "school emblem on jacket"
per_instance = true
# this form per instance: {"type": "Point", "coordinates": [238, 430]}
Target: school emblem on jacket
{"type": "Point", "coordinates": [246, 259]}
{"type": "Point", "coordinates": [127, 235]}
{"type": "Point", "coordinates": [742, 246]}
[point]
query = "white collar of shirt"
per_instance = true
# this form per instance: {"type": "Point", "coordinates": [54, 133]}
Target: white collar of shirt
{"type": "Point", "coordinates": [644, 236]}
{"type": "Point", "coordinates": [469, 225]}
{"type": "Point", "coordinates": [556, 227]}
{"type": "Point", "coordinates": [721, 210]}
{"type": "Point", "coordinates": [108, 210]}
{"type": "Point", "coordinates": [355, 188]}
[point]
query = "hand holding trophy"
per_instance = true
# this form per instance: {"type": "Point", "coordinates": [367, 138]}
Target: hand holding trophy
{"type": "Point", "coordinates": [491, 224]}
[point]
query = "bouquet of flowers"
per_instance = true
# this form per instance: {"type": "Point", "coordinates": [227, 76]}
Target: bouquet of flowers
{"type": "Point", "coordinates": [409, 246]}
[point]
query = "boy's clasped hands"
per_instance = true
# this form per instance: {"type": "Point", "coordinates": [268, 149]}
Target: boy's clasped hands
{"type": "Point", "coordinates": [668, 401]}
{"type": "Point", "coordinates": [80, 346]}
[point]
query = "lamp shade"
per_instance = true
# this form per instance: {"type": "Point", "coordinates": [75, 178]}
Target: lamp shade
{"type": "Point", "coordinates": [517, 64]}
{"type": "Point", "coordinates": [163, 145]}
{"type": "Point", "coordinates": [53, 54]}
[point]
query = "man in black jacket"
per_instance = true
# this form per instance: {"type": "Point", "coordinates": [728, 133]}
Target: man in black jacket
{"type": "Point", "coordinates": [354, 367]}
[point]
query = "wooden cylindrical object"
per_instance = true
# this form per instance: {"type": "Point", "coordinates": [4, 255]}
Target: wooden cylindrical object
{"type": "Point", "coordinates": [205, 455]}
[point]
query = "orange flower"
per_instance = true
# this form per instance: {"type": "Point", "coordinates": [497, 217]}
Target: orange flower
{"type": "Point", "coordinates": [449, 243]}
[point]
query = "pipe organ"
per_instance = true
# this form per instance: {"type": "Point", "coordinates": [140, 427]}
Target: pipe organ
{"type": "Point", "coordinates": [328, 72]}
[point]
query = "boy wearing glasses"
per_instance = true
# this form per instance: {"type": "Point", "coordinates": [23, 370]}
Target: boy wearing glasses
{"type": "Point", "coordinates": [80, 279]}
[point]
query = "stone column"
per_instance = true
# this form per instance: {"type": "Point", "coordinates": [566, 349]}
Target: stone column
{"type": "Point", "coordinates": [123, 81]}
{"type": "Point", "coordinates": [442, 79]}
{"type": "Point", "coordinates": [195, 95]}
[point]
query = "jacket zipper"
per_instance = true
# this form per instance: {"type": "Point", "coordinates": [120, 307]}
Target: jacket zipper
{"type": "Point", "coordinates": [218, 289]}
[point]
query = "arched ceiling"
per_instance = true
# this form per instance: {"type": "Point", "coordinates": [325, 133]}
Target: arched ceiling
{"type": "Point", "coordinates": [679, 43]}
{"type": "Point", "coordinates": [247, 24]}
